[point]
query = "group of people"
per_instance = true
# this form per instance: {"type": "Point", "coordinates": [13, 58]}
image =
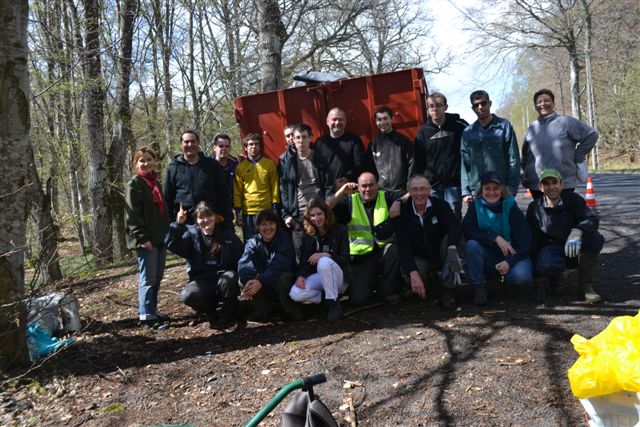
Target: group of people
{"type": "Point", "coordinates": [381, 223]}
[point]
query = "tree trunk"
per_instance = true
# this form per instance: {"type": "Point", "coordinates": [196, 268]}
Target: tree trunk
{"type": "Point", "coordinates": [122, 137]}
{"type": "Point", "coordinates": [591, 101]}
{"type": "Point", "coordinates": [46, 229]}
{"type": "Point", "coordinates": [575, 84]}
{"type": "Point", "coordinates": [14, 143]}
{"type": "Point", "coordinates": [95, 97]}
{"type": "Point", "coordinates": [272, 37]}
{"type": "Point", "coordinates": [163, 26]}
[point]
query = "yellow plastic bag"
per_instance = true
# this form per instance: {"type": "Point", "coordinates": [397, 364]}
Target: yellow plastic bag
{"type": "Point", "coordinates": [608, 362]}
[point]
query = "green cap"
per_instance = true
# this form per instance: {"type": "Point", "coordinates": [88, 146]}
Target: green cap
{"type": "Point", "coordinates": [550, 173]}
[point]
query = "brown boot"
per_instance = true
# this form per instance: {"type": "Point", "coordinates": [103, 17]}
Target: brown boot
{"type": "Point", "coordinates": [586, 265]}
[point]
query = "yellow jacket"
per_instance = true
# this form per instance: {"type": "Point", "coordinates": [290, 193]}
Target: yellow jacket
{"type": "Point", "coordinates": [255, 186]}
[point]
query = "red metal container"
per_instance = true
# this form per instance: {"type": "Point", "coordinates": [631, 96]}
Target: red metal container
{"type": "Point", "coordinates": [404, 92]}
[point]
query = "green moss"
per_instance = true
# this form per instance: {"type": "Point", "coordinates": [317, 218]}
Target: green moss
{"type": "Point", "coordinates": [114, 408]}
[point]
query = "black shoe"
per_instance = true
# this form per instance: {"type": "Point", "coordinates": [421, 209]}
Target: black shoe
{"type": "Point", "coordinates": [222, 323]}
{"type": "Point", "coordinates": [258, 316]}
{"type": "Point", "coordinates": [155, 324]}
{"type": "Point", "coordinates": [480, 297]}
{"type": "Point", "coordinates": [448, 300]}
{"type": "Point", "coordinates": [335, 311]}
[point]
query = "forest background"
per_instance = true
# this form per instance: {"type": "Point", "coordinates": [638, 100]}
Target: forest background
{"type": "Point", "coordinates": [108, 76]}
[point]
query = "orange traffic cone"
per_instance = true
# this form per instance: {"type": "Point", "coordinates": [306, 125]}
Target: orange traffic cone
{"type": "Point", "coordinates": [590, 195]}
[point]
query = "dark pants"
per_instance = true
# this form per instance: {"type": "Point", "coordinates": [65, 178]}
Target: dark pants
{"type": "Point", "coordinates": [275, 294]}
{"type": "Point", "coordinates": [366, 275]}
{"type": "Point", "coordinates": [203, 295]}
{"type": "Point", "coordinates": [550, 260]}
{"type": "Point", "coordinates": [248, 226]}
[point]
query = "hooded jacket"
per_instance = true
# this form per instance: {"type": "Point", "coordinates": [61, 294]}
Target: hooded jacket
{"type": "Point", "coordinates": [438, 150]}
{"type": "Point", "coordinates": [289, 180]}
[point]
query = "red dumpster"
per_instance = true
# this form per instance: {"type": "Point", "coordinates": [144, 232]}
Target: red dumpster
{"type": "Point", "coordinates": [268, 113]}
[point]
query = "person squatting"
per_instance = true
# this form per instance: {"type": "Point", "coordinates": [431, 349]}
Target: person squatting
{"type": "Point", "coordinates": [332, 223]}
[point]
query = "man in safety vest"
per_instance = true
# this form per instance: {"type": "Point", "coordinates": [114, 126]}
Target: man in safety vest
{"type": "Point", "coordinates": [371, 239]}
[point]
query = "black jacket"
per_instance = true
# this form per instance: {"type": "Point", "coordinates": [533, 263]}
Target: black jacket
{"type": "Point", "coordinates": [391, 158]}
{"type": "Point", "coordinates": [438, 150]}
{"type": "Point", "coordinates": [335, 242]}
{"type": "Point", "coordinates": [553, 225]}
{"type": "Point", "coordinates": [345, 155]}
{"type": "Point", "coordinates": [187, 242]}
{"type": "Point", "coordinates": [416, 239]}
{"type": "Point", "coordinates": [191, 184]}
{"type": "Point", "coordinates": [289, 180]}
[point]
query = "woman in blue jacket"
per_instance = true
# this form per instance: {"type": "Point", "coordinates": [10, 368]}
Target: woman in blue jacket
{"type": "Point", "coordinates": [266, 269]}
{"type": "Point", "coordinates": [498, 239]}
{"type": "Point", "coordinates": [212, 252]}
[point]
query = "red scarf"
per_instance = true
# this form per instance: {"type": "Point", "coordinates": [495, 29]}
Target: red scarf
{"type": "Point", "coordinates": [151, 178]}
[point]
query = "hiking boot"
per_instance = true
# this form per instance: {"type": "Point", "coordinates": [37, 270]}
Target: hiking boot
{"type": "Point", "coordinates": [540, 288]}
{"type": "Point", "coordinates": [448, 299]}
{"type": "Point", "coordinates": [335, 311]}
{"type": "Point", "coordinates": [587, 263]}
{"type": "Point", "coordinates": [480, 295]}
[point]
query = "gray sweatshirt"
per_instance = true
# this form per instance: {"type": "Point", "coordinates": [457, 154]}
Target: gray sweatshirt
{"type": "Point", "coordinates": [558, 142]}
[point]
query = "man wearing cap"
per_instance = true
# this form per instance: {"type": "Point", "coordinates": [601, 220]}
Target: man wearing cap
{"type": "Point", "coordinates": [565, 235]}
{"type": "Point", "coordinates": [489, 144]}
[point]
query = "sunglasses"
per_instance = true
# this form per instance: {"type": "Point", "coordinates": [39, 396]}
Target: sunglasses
{"type": "Point", "coordinates": [479, 104]}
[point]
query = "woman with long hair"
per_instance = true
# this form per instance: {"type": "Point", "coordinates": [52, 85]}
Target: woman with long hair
{"type": "Point", "coordinates": [324, 259]}
{"type": "Point", "coordinates": [146, 224]}
{"type": "Point", "coordinates": [212, 251]}
{"type": "Point", "coordinates": [498, 239]}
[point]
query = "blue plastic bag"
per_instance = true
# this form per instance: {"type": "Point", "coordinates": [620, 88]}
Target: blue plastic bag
{"type": "Point", "coordinates": [40, 343]}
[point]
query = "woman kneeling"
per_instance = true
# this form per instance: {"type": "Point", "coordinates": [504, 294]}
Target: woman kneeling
{"type": "Point", "coordinates": [498, 239]}
{"type": "Point", "coordinates": [212, 254]}
{"type": "Point", "coordinates": [324, 259]}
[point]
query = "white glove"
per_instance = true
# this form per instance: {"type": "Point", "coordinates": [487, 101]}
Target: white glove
{"type": "Point", "coordinates": [574, 242]}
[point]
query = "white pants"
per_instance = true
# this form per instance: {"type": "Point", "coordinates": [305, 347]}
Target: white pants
{"type": "Point", "coordinates": [328, 278]}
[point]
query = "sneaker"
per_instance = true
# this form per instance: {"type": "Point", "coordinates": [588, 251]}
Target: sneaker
{"type": "Point", "coordinates": [480, 296]}
{"type": "Point", "coordinates": [335, 311]}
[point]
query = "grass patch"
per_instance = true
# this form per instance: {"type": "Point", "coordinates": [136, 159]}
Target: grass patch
{"type": "Point", "coordinates": [114, 408]}
{"type": "Point", "coordinates": [36, 389]}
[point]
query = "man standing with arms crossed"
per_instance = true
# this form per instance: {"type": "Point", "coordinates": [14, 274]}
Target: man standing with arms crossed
{"type": "Point", "coordinates": [489, 144]}
{"type": "Point", "coordinates": [438, 152]}
{"type": "Point", "coordinates": [342, 150]}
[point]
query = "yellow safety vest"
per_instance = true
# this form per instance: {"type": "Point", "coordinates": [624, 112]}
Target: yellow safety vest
{"type": "Point", "coordinates": [361, 238]}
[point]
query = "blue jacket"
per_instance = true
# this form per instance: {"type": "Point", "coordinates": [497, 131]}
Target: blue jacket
{"type": "Point", "coordinates": [267, 261]}
{"type": "Point", "coordinates": [186, 241]}
{"type": "Point", "coordinates": [491, 148]}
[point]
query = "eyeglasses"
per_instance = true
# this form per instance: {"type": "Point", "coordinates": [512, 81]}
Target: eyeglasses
{"type": "Point", "coordinates": [475, 105]}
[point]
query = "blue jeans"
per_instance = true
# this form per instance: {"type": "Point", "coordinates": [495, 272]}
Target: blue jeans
{"type": "Point", "coordinates": [451, 195]}
{"type": "Point", "coordinates": [481, 262]}
{"type": "Point", "coordinates": [551, 261]}
{"type": "Point", "coordinates": [151, 265]}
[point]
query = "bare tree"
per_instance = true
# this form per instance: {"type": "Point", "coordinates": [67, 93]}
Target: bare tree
{"type": "Point", "coordinates": [122, 138]}
{"type": "Point", "coordinates": [14, 143]}
{"type": "Point", "coordinates": [95, 98]}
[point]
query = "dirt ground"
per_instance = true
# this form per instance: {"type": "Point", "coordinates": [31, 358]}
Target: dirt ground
{"type": "Point", "coordinates": [409, 364]}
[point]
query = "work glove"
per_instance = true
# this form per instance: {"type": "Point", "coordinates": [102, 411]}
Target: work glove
{"type": "Point", "coordinates": [453, 260]}
{"type": "Point", "coordinates": [574, 242]}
